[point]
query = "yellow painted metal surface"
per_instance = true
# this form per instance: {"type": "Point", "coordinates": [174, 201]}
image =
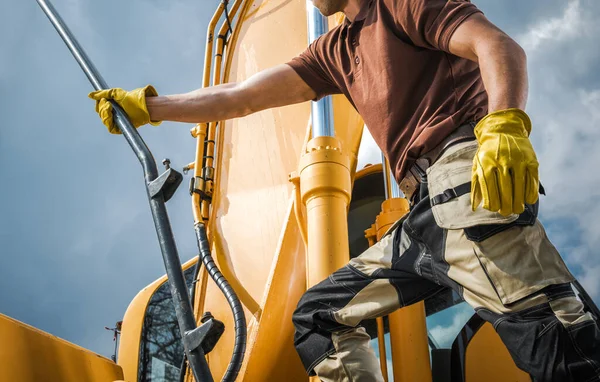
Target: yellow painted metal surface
{"type": "Point", "coordinates": [253, 230]}
{"type": "Point", "coordinates": [392, 210]}
{"type": "Point", "coordinates": [408, 328]}
{"type": "Point", "coordinates": [371, 236]}
{"type": "Point", "coordinates": [325, 188]}
{"type": "Point", "coordinates": [487, 359]}
{"type": "Point", "coordinates": [272, 355]}
{"type": "Point", "coordinates": [408, 336]}
{"type": "Point", "coordinates": [368, 170]}
{"type": "Point", "coordinates": [381, 347]}
{"type": "Point", "coordinates": [131, 330]}
{"type": "Point", "coordinates": [31, 355]}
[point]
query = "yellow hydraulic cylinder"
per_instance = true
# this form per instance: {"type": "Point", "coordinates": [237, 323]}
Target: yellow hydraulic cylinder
{"type": "Point", "coordinates": [371, 236]}
{"type": "Point", "coordinates": [381, 346]}
{"type": "Point", "coordinates": [325, 189]}
{"type": "Point", "coordinates": [410, 353]}
{"type": "Point", "coordinates": [408, 328]}
{"type": "Point", "coordinates": [391, 211]}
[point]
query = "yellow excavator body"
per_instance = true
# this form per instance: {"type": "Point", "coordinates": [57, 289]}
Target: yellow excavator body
{"type": "Point", "coordinates": [28, 354]}
{"type": "Point", "coordinates": [282, 210]}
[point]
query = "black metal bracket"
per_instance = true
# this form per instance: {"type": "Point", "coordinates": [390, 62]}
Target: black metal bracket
{"type": "Point", "coordinates": [196, 187]}
{"type": "Point", "coordinates": [206, 335]}
{"type": "Point", "coordinates": [166, 183]}
{"type": "Point", "coordinates": [192, 186]}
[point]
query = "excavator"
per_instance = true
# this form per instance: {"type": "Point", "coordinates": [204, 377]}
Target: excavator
{"type": "Point", "coordinates": [278, 204]}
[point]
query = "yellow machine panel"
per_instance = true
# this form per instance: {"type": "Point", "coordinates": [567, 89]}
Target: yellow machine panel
{"type": "Point", "coordinates": [488, 360]}
{"type": "Point", "coordinates": [256, 240]}
{"type": "Point", "coordinates": [30, 355]}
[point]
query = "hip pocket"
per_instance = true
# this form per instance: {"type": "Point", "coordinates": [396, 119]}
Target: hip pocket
{"type": "Point", "coordinates": [449, 182]}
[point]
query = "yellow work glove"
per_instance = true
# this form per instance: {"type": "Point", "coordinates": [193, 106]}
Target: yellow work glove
{"type": "Point", "coordinates": [133, 102]}
{"type": "Point", "coordinates": [505, 169]}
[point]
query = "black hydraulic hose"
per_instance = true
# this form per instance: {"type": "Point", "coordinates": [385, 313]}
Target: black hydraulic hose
{"type": "Point", "coordinates": [239, 348]}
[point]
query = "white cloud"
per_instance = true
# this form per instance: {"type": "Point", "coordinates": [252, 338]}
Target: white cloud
{"type": "Point", "coordinates": [559, 28]}
{"type": "Point", "coordinates": [565, 110]}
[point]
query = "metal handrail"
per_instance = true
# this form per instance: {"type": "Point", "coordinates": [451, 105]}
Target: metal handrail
{"type": "Point", "coordinates": [158, 208]}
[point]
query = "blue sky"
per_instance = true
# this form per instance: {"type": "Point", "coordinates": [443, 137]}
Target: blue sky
{"type": "Point", "coordinates": [77, 239]}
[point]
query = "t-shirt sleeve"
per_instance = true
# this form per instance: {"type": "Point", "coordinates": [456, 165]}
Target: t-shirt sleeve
{"type": "Point", "coordinates": [311, 66]}
{"type": "Point", "coordinates": [431, 23]}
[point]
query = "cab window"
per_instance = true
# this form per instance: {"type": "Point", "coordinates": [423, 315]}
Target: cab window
{"type": "Point", "coordinates": [161, 348]}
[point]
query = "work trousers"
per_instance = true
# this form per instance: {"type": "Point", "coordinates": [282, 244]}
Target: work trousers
{"type": "Point", "coordinates": [504, 267]}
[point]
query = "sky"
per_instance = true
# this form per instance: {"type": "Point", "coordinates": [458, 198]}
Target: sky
{"type": "Point", "coordinates": [77, 237]}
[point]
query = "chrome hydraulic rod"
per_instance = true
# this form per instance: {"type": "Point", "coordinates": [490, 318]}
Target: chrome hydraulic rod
{"type": "Point", "coordinates": [392, 189]}
{"type": "Point", "coordinates": [321, 110]}
{"type": "Point", "coordinates": [179, 292]}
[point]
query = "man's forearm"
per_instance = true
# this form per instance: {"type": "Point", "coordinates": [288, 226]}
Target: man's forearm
{"type": "Point", "coordinates": [273, 87]}
{"type": "Point", "coordinates": [203, 105]}
{"type": "Point", "coordinates": [503, 66]}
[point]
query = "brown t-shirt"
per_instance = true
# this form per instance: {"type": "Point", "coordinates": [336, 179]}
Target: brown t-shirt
{"type": "Point", "coordinates": [393, 64]}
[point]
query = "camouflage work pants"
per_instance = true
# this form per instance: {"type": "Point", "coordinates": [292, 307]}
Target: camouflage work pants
{"type": "Point", "coordinates": [504, 267]}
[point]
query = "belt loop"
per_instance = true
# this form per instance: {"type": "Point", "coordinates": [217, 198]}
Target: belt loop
{"type": "Point", "coordinates": [423, 190]}
{"type": "Point", "coordinates": [420, 172]}
{"type": "Point", "coordinates": [417, 172]}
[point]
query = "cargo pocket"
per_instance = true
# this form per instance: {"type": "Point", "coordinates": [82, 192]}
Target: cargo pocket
{"type": "Point", "coordinates": [449, 182]}
{"type": "Point", "coordinates": [520, 261]}
{"type": "Point", "coordinates": [481, 232]}
{"type": "Point", "coordinates": [513, 251]}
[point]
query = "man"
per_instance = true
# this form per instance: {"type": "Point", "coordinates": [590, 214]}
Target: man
{"type": "Point", "coordinates": [442, 91]}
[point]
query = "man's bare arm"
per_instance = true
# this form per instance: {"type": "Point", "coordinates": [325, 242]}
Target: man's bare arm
{"type": "Point", "coordinates": [502, 61]}
{"type": "Point", "coordinates": [277, 86]}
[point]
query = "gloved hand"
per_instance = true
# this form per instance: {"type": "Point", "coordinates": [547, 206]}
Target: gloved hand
{"type": "Point", "coordinates": [133, 102]}
{"type": "Point", "coordinates": [505, 168]}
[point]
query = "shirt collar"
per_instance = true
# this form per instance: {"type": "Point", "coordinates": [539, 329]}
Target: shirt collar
{"type": "Point", "coordinates": [362, 14]}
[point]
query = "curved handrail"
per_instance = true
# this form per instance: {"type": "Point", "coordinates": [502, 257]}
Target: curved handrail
{"type": "Point", "coordinates": [166, 240]}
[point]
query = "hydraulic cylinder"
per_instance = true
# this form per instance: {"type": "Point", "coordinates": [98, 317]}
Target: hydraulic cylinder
{"type": "Point", "coordinates": [325, 189]}
{"type": "Point", "coordinates": [408, 328]}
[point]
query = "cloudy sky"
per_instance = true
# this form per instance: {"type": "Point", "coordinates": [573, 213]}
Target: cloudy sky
{"type": "Point", "coordinates": [77, 239]}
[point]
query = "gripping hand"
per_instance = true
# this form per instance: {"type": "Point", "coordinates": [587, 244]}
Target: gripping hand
{"type": "Point", "coordinates": [133, 102]}
{"type": "Point", "coordinates": [505, 168]}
